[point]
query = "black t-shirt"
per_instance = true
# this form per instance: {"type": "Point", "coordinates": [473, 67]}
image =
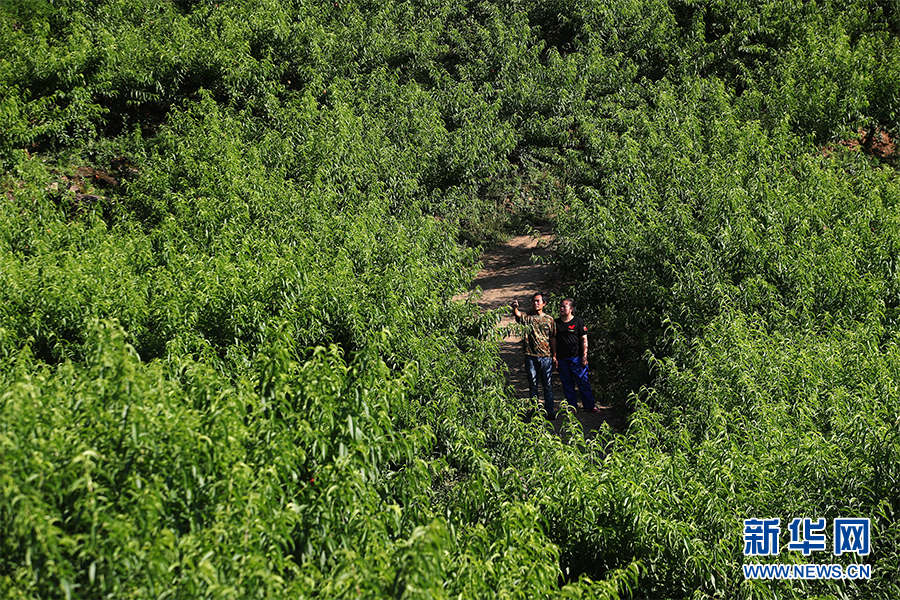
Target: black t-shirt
{"type": "Point", "coordinates": [568, 337]}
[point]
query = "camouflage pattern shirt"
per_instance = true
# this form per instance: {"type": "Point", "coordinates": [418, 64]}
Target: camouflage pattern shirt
{"type": "Point", "coordinates": [541, 329]}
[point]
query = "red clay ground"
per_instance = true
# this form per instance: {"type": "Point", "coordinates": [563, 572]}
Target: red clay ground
{"type": "Point", "coordinates": [878, 143]}
{"type": "Point", "coordinates": [509, 273]}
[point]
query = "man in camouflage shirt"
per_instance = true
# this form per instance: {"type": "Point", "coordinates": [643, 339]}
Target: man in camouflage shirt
{"type": "Point", "coordinates": [540, 348]}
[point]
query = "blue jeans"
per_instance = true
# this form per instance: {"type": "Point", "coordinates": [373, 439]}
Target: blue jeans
{"type": "Point", "coordinates": [570, 371]}
{"type": "Point", "coordinates": [540, 366]}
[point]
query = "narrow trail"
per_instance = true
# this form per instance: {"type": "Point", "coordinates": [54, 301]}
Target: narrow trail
{"type": "Point", "coordinates": [514, 271]}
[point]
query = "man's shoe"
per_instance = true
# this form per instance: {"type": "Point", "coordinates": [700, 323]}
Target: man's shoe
{"type": "Point", "coordinates": [590, 410]}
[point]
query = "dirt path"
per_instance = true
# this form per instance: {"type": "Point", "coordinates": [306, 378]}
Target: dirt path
{"type": "Point", "coordinates": [515, 271]}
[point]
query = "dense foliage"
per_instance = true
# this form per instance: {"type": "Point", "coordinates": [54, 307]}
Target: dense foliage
{"type": "Point", "coordinates": [230, 365]}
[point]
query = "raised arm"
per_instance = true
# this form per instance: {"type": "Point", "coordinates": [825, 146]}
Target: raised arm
{"type": "Point", "coordinates": [514, 305]}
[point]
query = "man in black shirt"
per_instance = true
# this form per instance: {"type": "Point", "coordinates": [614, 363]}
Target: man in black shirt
{"type": "Point", "coordinates": [571, 358]}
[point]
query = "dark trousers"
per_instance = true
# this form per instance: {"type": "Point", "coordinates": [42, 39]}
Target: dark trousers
{"type": "Point", "coordinates": [571, 371]}
{"type": "Point", "coordinates": [540, 367]}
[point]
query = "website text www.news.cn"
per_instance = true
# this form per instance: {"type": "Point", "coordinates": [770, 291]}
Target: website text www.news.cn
{"type": "Point", "coordinates": [832, 571]}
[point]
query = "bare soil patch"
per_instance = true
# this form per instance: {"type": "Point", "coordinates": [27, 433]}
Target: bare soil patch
{"type": "Point", "coordinates": [875, 142]}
